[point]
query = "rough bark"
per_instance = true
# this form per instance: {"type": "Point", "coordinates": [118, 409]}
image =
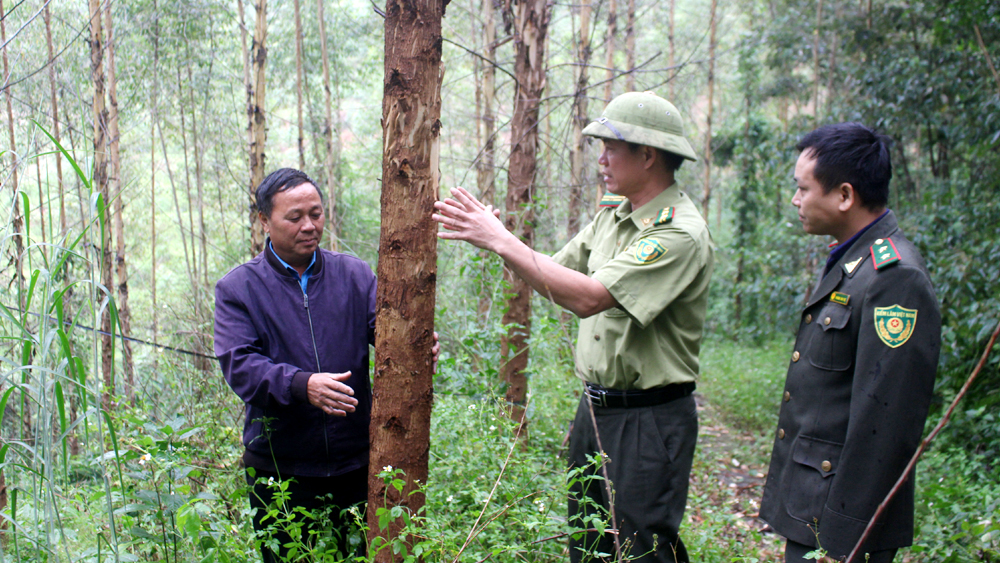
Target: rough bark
{"type": "Point", "coordinates": [115, 188]}
{"type": "Point", "coordinates": [630, 47]}
{"type": "Point", "coordinates": [257, 122]}
{"type": "Point", "coordinates": [531, 21]}
{"type": "Point", "coordinates": [578, 165]}
{"type": "Point", "coordinates": [707, 192]}
{"type": "Point", "coordinates": [330, 164]}
{"type": "Point", "coordinates": [609, 54]}
{"type": "Point", "coordinates": [407, 267]}
{"type": "Point", "coordinates": [298, 85]}
{"type": "Point", "coordinates": [486, 166]}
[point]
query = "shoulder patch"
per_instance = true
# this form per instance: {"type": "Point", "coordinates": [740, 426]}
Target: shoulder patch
{"type": "Point", "coordinates": [611, 200]}
{"type": "Point", "coordinates": [665, 215]}
{"type": "Point", "coordinates": [894, 325]}
{"type": "Point", "coordinates": [648, 251]}
{"type": "Point", "coordinates": [884, 253]}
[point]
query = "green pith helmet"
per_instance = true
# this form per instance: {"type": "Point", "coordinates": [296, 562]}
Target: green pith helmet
{"type": "Point", "coordinates": [643, 118]}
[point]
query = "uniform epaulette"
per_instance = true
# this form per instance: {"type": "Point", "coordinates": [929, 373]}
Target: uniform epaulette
{"type": "Point", "coordinates": [611, 200]}
{"type": "Point", "coordinates": [884, 253]}
{"type": "Point", "coordinates": [666, 215]}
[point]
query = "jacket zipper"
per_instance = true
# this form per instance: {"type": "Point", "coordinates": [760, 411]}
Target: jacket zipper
{"type": "Point", "coordinates": [319, 368]}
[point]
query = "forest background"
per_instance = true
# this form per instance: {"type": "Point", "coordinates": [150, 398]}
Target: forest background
{"type": "Point", "coordinates": [127, 450]}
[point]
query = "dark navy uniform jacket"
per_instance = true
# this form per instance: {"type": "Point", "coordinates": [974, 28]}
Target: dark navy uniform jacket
{"type": "Point", "coordinates": [270, 337]}
{"type": "Point", "coordinates": [856, 398]}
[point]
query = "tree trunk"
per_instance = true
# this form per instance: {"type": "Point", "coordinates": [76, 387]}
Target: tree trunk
{"type": "Point", "coordinates": [124, 314]}
{"type": "Point", "coordinates": [486, 168]}
{"type": "Point", "coordinates": [255, 113]}
{"type": "Point", "coordinates": [673, 52]}
{"type": "Point", "coordinates": [609, 53]}
{"type": "Point", "coordinates": [707, 193]}
{"type": "Point", "coordinates": [407, 267]}
{"type": "Point", "coordinates": [13, 192]}
{"type": "Point", "coordinates": [333, 228]}
{"type": "Point", "coordinates": [531, 23]}
{"type": "Point", "coordinates": [578, 156]}
{"type": "Point", "coordinates": [298, 84]}
{"type": "Point", "coordinates": [153, 100]}
{"type": "Point", "coordinates": [630, 48]}
{"type": "Point", "coordinates": [816, 81]}
{"type": "Point", "coordinates": [55, 118]}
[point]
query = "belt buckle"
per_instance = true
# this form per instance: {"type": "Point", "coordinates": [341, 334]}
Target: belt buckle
{"type": "Point", "coordinates": [598, 397]}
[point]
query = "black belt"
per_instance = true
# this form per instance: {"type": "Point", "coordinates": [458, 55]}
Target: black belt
{"type": "Point", "coordinates": [617, 399]}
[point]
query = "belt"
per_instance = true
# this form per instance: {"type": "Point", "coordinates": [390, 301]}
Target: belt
{"type": "Point", "coordinates": [617, 399]}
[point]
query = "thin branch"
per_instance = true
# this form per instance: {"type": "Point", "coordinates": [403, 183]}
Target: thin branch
{"type": "Point", "coordinates": [484, 59]}
{"type": "Point", "coordinates": [989, 61]}
{"type": "Point", "coordinates": [926, 442]}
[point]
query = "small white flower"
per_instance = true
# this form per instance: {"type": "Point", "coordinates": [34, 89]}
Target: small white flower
{"type": "Point", "coordinates": [450, 498]}
{"type": "Point", "coordinates": [472, 407]}
{"type": "Point", "coordinates": [144, 458]}
{"type": "Point", "coordinates": [492, 428]}
{"type": "Point", "coordinates": [270, 481]}
{"type": "Point", "coordinates": [387, 469]}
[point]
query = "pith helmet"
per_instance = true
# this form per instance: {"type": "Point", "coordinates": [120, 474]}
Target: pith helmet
{"type": "Point", "coordinates": [645, 119]}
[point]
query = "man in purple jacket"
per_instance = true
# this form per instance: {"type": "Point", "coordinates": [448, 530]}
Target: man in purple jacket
{"type": "Point", "coordinates": [292, 330]}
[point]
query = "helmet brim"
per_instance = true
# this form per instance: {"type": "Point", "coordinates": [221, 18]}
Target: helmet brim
{"type": "Point", "coordinates": [609, 129]}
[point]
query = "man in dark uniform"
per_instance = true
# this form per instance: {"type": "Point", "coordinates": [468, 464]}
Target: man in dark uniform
{"type": "Point", "coordinates": [862, 372]}
{"type": "Point", "coordinates": [638, 277]}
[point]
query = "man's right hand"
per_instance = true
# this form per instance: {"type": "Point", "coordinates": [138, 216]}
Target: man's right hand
{"type": "Point", "coordinates": [329, 392]}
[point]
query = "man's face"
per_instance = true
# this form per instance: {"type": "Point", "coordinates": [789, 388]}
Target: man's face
{"type": "Point", "coordinates": [296, 223]}
{"type": "Point", "coordinates": [621, 167]}
{"type": "Point", "coordinates": [819, 211]}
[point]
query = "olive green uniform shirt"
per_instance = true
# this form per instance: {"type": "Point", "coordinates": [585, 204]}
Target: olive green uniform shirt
{"type": "Point", "coordinates": [657, 269]}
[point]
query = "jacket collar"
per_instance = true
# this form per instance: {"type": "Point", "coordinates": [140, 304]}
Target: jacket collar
{"type": "Point", "coordinates": [278, 267]}
{"type": "Point", "coordinates": [884, 228]}
{"type": "Point", "coordinates": [646, 215]}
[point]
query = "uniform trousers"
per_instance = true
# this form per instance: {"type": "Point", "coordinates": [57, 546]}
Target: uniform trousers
{"type": "Point", "coordinates": [795, 553]}
{"type": "Point", "coordinates": [650, 451]}
{"type": "Point", "coordinates": [316, 494]}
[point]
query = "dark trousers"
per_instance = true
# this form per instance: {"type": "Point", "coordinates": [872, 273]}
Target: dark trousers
{"type": "Point", "coordinates": [650, 451]}
{"type": "Point", "coordinates": [315, 494]}
{"type": "Point", "coordinates": [795, 553]}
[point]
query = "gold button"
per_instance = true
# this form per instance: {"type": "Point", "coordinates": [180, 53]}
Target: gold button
{"type": "Point", "coordinates": [788, 396]}
{"type": "Point", "coordinates": [809, 319]}
{"type": "Point", "coordinates": [597, 337]}
{"type": "Point", "coordinates": [826, 466]}
{"type": "Point", "coordinates": [795, 356]}
{"type": "Point", "coordinates": [826, 321]}
{"type": "Point", "coordinates": [781, 433]}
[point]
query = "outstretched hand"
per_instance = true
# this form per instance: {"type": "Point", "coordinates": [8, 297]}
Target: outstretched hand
{"type": "Point", "coordinates": [466, 218]}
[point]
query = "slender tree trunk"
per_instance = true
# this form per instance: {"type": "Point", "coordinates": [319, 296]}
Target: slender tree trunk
{"type": "Point", "coordinates": [531, 22]}
{"type": "Point", "coordinates": [298, 84]}
{"type": "Point", "coordinates": [255, 113]}
{"type": "Point", "coordinates": [200, 260]}
{"type": "Point", "coordinates": [707, 193]}
{"type": "Point", "coordinates": [630, 47]}
{"type": "Point", "coordinates": [153, 100]}
{"type": "Point", "coordinates": [832, 71]}
{"type": "Point", "coordinates": [816, 80]}
{"type": "Point", "coordinates": [101, 185]}
{"type": "Point", "coordinates": [124, 312]}
{"type": "Point", "coordinates": [407, 267]}
{"type": "Point", "coordinates": [578, 156]}
{"type": "Point", "coordinates": [609, 53]}
{"type": "Point", "coordinates": [330, 164]}
{"type": "Point", "coordinates": [486, 169]}
{"type": "Point", "coordinates": [55, 117]}
{"type": "Point", "coordinates": [672, 60]}
{"type": "Point", "coordinates": [13, 193]}
{"type": "Point", "coordinates": [185, 230]}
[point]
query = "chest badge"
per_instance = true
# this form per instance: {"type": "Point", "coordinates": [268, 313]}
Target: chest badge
{"type": "Point", "coordinates": [648, 251]}
{"type": "Point", "coordinates": [840, 298]}
{"type": "Point", "coordinates": [894, 325]}
{"type": "Point", "coordinates": [850, 266]}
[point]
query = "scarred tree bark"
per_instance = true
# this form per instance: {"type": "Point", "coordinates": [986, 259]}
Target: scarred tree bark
{"type": "Point", "coordinates": [609, 53]}
{"type": "Point", "coordinates": [257, 127]}
{"type": "Point", "coordinates": [531, 21]}
{"type": "Point", "coordinates": [578, 152]}
{"type": "Point", "coordinates": [407, 266]}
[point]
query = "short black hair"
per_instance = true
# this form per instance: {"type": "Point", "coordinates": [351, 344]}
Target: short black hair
{"type": "Point", "coordinates": [279, 181]}
{"type": "Point", "coordinates": [673, 161]}
{"type": "Point", "coordinates": [854, 154]}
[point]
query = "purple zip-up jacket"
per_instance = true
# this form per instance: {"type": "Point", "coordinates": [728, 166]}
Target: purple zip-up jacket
{"type": "Point", "coordinates": [270, 337]}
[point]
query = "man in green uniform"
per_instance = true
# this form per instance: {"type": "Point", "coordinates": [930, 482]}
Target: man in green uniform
{"type": "Point", "coordinates": [861, 375]}
{"type": "Point", "coordinates": [638, 278]}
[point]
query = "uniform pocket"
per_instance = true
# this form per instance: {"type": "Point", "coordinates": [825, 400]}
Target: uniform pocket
{"type": "Point", "coordinates": [830, 345]}
{"type": "Point", "coordinates": [806, 483]}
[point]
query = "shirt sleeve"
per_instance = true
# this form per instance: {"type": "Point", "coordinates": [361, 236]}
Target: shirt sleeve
{"type": "Point", "coordinates": [256, 379]}
{"type": "Point", "coordinates": [576, 253]}
{"type": "Point", "coordinates": [652, 272]}
{"type": "Point", "coordinates": [890, 396]}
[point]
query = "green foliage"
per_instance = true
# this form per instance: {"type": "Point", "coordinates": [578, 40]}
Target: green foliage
{"type": "Point", "coordinates": [745, 382]}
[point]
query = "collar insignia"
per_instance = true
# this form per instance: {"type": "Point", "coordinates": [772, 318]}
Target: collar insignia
{"type": "Point", "coordinates": [665, 215]}
{"type": "Point", "coordinates": [850, 266]}
{"type": "Point", "coordinates": [611, 200]}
